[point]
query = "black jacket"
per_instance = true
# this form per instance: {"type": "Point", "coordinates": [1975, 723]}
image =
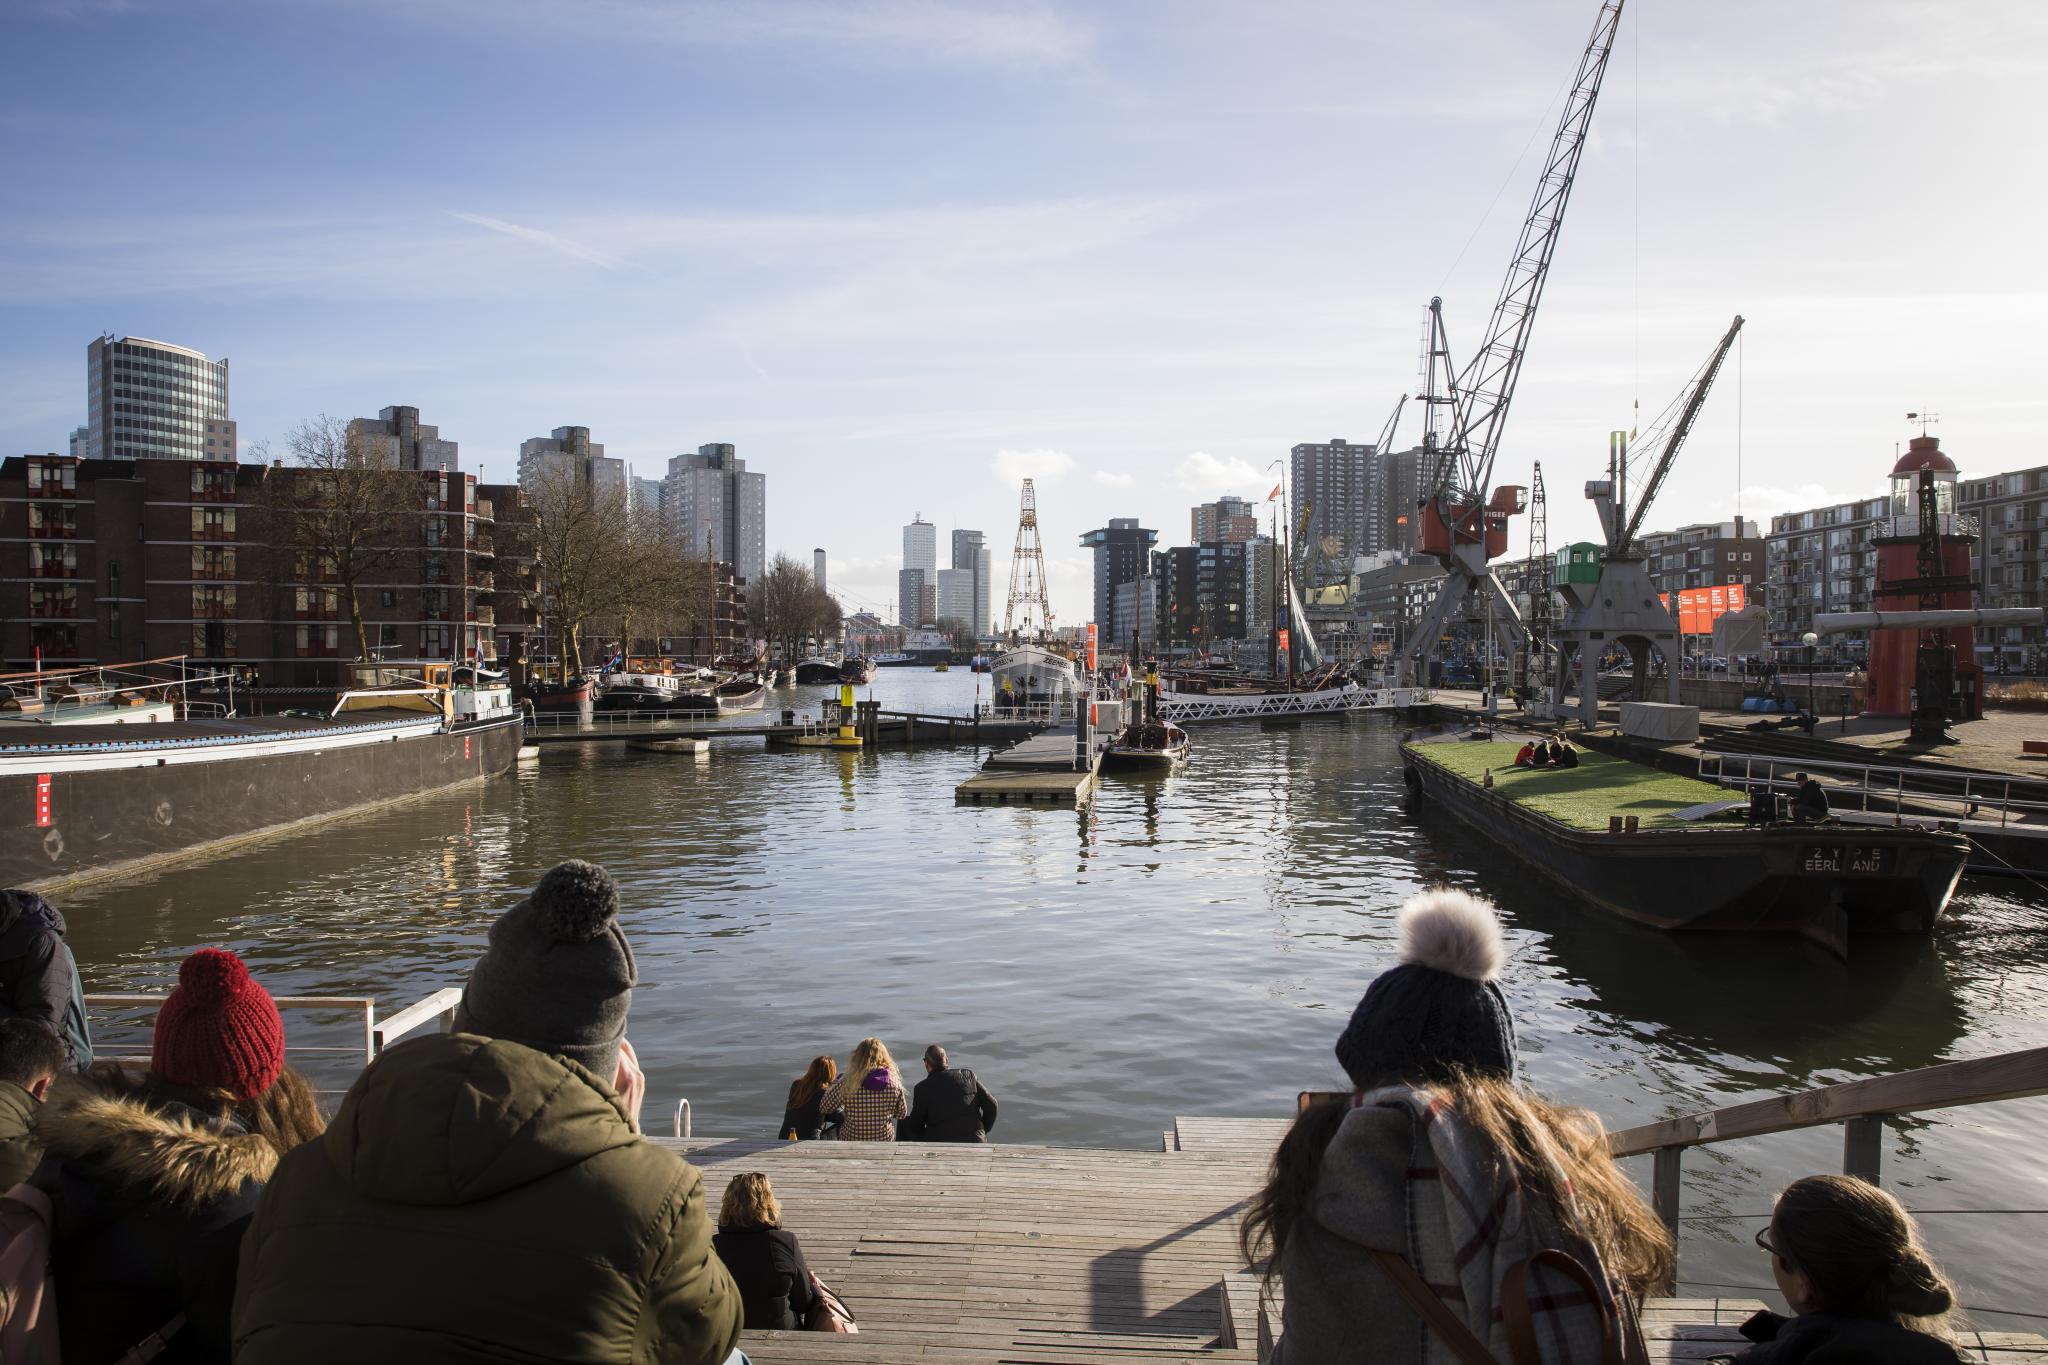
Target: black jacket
{"type": "Point", "coordinates": [804, 1123]}
{"type": "Point", "coordinates": [949, 1106]}
{"type": "Point", "coordinates": [1824, 1339]}
{"type": "Point", "coordinates": [768, 1266]}
{"type": "Point", "coordinates": [150, 1198]}
{"type": "Point", "coordinates": [38, 978]}
{"type": "Point", "coordinates": [1811, 799]}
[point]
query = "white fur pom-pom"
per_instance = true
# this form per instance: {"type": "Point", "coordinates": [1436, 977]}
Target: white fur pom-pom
{"type": "Point", "coordinates": [1452, 931]}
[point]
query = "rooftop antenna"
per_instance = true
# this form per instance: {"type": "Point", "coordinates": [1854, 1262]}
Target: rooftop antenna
{"type": "Point", "coordinates": [1925, 419]}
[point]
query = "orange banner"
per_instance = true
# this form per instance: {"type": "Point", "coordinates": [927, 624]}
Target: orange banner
{"type": "Point", "coordinates": [1737, 597]}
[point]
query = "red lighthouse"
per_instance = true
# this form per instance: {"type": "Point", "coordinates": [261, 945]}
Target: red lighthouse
{"type": "Point", "coordinates": [1918, 571]}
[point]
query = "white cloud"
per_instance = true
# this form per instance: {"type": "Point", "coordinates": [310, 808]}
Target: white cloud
{"type": "Point", "coordinates": [1011, 466]}
{"type": "Point", "coordinates": [1202, 472]}
{"type": "Point", "coordinates": [1112, 479]}
{"type": "Point", "coordinates": [548, 240]}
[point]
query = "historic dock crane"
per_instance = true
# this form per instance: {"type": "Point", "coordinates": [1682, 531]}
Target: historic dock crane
{"type": "Point", "coordinates": [1463, 519]}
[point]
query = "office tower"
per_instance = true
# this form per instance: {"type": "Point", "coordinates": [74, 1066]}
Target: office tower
{"type": "Point", "coordinates": [81, 443]}
{"type": "Point", "coordinates": [719, 507]}
{"type": "Point", "coordinates": [397, 435]}
{"type": "Point", "coordinates": [917, 583]}
{"type": "Point", "coordinates": [568, 452]}
{"type": "Point", "coordinates": [1226, 519]}
{"type": "Point", "coordinates": [818, 569]}
{"type": "Point", "coordinates": [152, 400]}
{"type": "Point", "coordinates": [970, 551]}
{"type": "Point", "coordinates": [953, 596]}
{"type": "Point", "coordinates": [1120, 556]}
{"type": "Point", "coordinates": [643, 499]}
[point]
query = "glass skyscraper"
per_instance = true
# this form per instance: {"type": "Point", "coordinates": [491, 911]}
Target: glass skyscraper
{"type": "Point", "coordinates": [152, 400]}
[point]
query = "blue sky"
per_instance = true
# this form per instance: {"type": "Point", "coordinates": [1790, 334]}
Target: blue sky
{"type": "Point", "coordinates": [903, 252]}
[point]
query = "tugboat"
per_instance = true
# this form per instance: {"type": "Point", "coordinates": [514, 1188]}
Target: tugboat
{"type": "Point", "coordinates": [818, 668]}
{"type": "Point", "coordinates": [1147, 743]}
{"type": "Point", "coordinates": [856, 669]}
{"type": "Point", "coordinates": [1677, 853]}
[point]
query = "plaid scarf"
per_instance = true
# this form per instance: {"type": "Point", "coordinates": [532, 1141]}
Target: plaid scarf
{"type": "Point", "coordinates": [1469, 1221]}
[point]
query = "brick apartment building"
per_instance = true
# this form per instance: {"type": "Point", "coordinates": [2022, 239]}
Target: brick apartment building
{"type": "Point", "coordinates": [111, 561]}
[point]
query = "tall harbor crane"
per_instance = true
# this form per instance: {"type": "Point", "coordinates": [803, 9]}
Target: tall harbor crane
{"type": "Point", "coordinates": [1029, 614]}
{"type": "Point", "coordinates": [1463, 519]}
{"type": "Point", "coordinates": [1621, 608]}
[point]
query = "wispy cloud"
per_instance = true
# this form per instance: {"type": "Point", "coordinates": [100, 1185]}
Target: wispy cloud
{"type": "Point", "coordinates": [1113, 480]}
{"type": "Point", "coordinates": [1202, 472]}
{"type": "Point", "coordinates": [874, 32]}
{"type": "Point", "coordinates": [1043, 465]}
{"type": "Point", "coordinates": [538, 237]}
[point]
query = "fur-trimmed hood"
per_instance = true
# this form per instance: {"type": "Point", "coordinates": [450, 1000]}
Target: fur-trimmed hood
{"type": "Point", "coordinates": [147, 1148]}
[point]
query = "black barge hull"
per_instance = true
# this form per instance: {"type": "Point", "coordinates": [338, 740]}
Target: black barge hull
{"type": "Point", "coordinates": [71, 823]}
{"type": "Point", "coordinates": [1825, 882]}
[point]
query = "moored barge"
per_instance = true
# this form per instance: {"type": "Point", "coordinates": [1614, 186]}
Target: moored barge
{"type": "Point", "coordinates": [1690, 862]}
{"type": "Point", "coordinates": [122, 780]}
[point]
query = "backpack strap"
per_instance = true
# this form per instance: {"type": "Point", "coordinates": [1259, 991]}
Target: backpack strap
{"type": "Point", "coordinates": [1430, 1307]}
{"type": "Point", "coordinates": [1521, 1323]}
{"type": "Point", "coordinates": [153, 1345]}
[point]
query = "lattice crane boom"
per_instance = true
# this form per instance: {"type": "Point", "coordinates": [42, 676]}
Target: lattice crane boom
{"type": "Point", "coordinates": [1694, 397]}
{"type": "Point", "coordinates": [1487, 385]}
{"type": "Point", "coordinates": [1027, 575]}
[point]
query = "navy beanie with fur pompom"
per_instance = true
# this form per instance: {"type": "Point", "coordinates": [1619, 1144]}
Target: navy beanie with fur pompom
{"type": "Point", "coordinates": [558, 974]}
{"type": "Point", "coordinates": [1439, 1011]}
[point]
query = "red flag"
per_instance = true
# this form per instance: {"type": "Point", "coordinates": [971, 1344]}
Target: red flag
{"type": "Point", "coordinates": [1274, 494]}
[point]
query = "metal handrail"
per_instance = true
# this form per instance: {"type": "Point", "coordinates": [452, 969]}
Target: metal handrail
{"type": "Point", "coordinates": [376, 1037]}
{"type": "Point", "coordinates": [681, 1124]}
{"type": "Point", "coordinates": [2005, 803]}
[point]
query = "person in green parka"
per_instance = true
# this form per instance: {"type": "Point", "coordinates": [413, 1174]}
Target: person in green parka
{"type": "Point", "coordinates": [485, 1194]}
{"type": "Point", "coordinates": [31, 1055]}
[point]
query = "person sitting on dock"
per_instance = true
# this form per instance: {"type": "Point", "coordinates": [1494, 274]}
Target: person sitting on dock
{"type": "Point", "coordinates": [949, 1104]}
{"type": "Point", "coordinates": [1563, 755]}
{"type": "Point", "coordinates": [765, 1260]}
{"type": "Point", "coordinates": [1525, 756]}
{"type": "Point", "coordinates": [153, 1176]}
{"type": "Point", "coordinates": [1440, 1184]}
{"type": "Point", "coordinates": [869, 1093]}
{"type": "Point", "coordinates": [38, 974]}
{"type": "Point", "coordinates": [1809, 800]}
{"type": "Point", "coordinates": [1850, 1264]}
{"type": "Point", "coordinates": [485, 1194]}
{"type": "Point", "coordinates": [31, 1056]}
{"type": "Point", "coordinates": [801, 1120]}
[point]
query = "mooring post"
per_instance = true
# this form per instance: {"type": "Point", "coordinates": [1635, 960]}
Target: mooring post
{"type": "Point", "coordinates": [1863, 1147]}
{"type": "Point", "coordinates": [1664, 1185]}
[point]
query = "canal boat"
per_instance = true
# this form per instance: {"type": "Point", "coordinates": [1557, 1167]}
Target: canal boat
{"type": "Point", "coordinates": [741, 693]}
{"type": "Point", "coordinates": [96, 787]}
{"type": "Point", "coordinates": [1146, 746]}
{"type": "Point", "coordinates": [1034, 681]}
{"type": "Point", "coordinates": [894, 658]}
{"type": "Point", "coordinates": [561, 698]}
{"type": "Point", "coordinates": [1674, 852]}
{"type": "Point", "coordinates": [856, 669]}
{"type": "Point", "coordinates": [818, 668]}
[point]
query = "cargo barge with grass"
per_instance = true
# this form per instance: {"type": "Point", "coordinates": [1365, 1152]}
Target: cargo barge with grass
{"type": "Point", "coordinates": [1676, 852]}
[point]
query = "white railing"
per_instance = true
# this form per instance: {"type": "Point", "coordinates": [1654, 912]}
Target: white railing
{"type": "Point", "coordinates": [1181, 708]}
{"type": "Point", "coordinates": [1896, 785]}
{"type": "Point", "coordinates": [375, 1036]}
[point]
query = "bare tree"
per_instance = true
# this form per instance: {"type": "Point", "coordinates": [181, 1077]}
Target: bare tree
{"type": "Point", "coordinates": [783, 602]}
{"type": "Point", "coordinates": [347, 512]}
{"type": "Point", "coordinates": [580, 538]}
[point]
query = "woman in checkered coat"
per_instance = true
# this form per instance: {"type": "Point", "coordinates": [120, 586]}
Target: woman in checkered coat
{"type": "Point", "coordinates": [870, 1093]}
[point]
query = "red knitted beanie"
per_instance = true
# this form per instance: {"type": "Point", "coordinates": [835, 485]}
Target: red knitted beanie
{"type": "Point", "coordinates": [218, 1029]}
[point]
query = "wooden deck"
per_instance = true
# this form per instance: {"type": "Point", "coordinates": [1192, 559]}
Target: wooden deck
{"type": "Point", "coordinates": [1060, 1256]}
{"type": "Point", "coordinates": [1039, 770]}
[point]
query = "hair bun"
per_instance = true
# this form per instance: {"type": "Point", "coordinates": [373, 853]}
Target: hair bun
{"type": "Point", "coordinates": [212, 974]}
{"type": "Point", "coordinates": [1917, 1290]}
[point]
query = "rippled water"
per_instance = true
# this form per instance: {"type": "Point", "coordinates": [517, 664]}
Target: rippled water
{"type": "Point", "coordinates": [1188, 945]}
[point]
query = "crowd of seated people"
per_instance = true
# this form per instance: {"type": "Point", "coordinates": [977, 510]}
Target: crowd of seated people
{"type": "Point", "coordinates": [484, 1193]}
{"type": "Point", "coordinates": [1546, 753]}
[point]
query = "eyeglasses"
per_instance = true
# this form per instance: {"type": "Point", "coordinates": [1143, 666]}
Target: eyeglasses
{"type": "Point", "coordinates": [1764, 1242]}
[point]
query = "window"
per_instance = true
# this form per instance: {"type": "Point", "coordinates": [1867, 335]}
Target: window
{"type": "Point", "coordinates": [52, 522]}
{"type": "Point", "coordinates": [435, 642]}
{"type": "Point", "coordinates": [52, 478]}
{"type": "Point", "coordinates": [212, 603]}
{"type": "Point", "coordinates": [53, 601]}
{"type": "Point", "coordinates": [319, 642]}
{"type": "Point", "coordinates": [53, 561]}
{"type": "Point", "coordinates": [114, 621]}
{"type": "Point", "coordinates": [388, 599]}
{"type": "Point", "coordinates": [387, 637]}
{"type": "Point", "coordinates": [213, 562]}
{"type": "Point", "coordinates": [213, 523]}
{"type": "Point", "coordinates": [216, 640]}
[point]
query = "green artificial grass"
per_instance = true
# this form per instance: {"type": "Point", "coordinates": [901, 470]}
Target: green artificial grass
{"type": "Point", "coordinates": [1582, 797]}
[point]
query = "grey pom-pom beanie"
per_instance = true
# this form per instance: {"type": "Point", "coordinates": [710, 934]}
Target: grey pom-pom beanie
{"type": "Point", "coordinates": [558, 973]}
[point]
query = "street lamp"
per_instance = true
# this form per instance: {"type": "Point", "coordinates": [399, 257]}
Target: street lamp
{"type": "Point", "coordinates": [1810, 640]}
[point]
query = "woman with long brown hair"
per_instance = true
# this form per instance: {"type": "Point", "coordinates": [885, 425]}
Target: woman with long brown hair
{"type": "Point", "coordinates": [1848, 1259]}
{"type": "Point", "coordinates": [869, 1093]}
{"type": "Point", "coordinates": [800, 1117]}
{"type": "Point", "coordinates": [1438, 1200]}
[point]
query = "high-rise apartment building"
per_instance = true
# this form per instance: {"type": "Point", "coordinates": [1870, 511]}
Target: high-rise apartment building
{"type": "Point", "coordinates": [1821, 560]}
{"type": "Point", "coordinates": [2012, 516]}
{"type": "Point", "coordinates": [150, 400]}
{"type": "Point", "coordinates": [953, 597]}
{"type": "Point", "coordinates": [1402, 478]}
{"type": "Point", "coordinates": [568, 452]}
{"type": "Point", "coordinates": [818, 569]}
{"type": "Point", "coordinates": [719, 507]}
{"type": "Point", "coordinates": [1225, 519]}
{"type": "Point", "coordinates": [1338, 484]}
{"type": "Point", "coordinates": [970, 552]}
{"type": "Point", "coordinates": [81, 442]}
{"type": "Point", "coordinates": [1704, 556]}
{"type": "Point", "coordinates": [1261, 584]}
{"type": "Point", "coordinates": [1122, 549]}
{"type": "Point", "coordinates": [397, 434]}
{"type": "Point", "coordinates": [917, 583]}
{"type": "Point", "coordinates": [643, 499]}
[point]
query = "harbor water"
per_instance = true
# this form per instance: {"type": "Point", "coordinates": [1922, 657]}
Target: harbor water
{"type": "Point", "coordinates": [1186, 945]}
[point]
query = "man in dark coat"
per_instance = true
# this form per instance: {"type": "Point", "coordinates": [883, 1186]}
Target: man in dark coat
{"type": "Point", "coordinates": [486, 1194]}
{"type": "Point", "coordinates": [949, 1104]}
{"type": "Point", "coordinates": [38, 976]}
{"type": "Point", "coordinates": [30, 1058]}
{"type": "Point", "coordinates": [1809, 800]}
